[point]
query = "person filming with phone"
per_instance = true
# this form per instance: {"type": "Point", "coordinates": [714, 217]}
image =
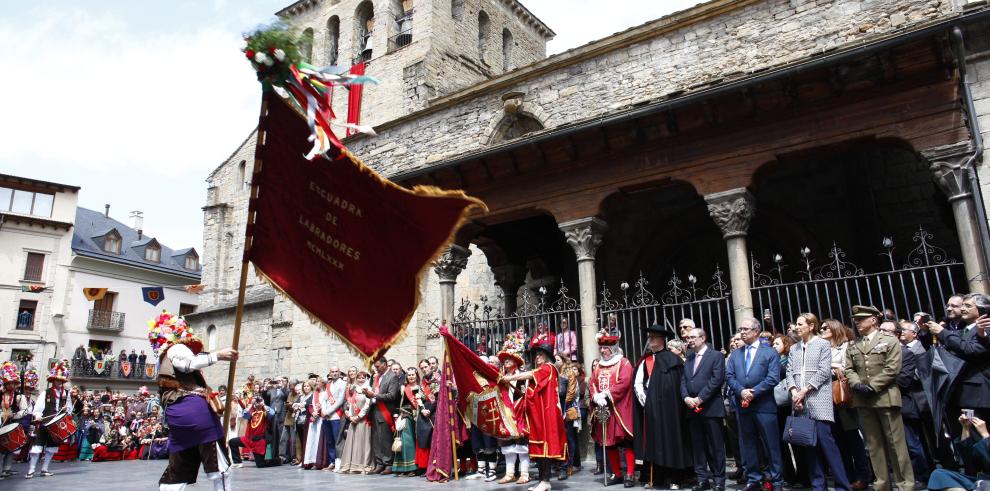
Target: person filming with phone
{"type": "Point", "coordinates": [972, 446]}
{"type": "Point", "coordinates": [972, 388]}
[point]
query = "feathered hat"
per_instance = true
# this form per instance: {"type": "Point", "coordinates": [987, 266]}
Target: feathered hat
{"type": "Point", "coordinates": [167, 330]}
{"type": "Point", "coordinates": [31, 379]}
{"type": "Point", "coordinates": [59, 372]}
{"type": "Point", "coordinates": [9, 373]}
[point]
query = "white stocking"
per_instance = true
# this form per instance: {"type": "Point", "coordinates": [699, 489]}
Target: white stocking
{"type": "Point", "coordinates": [510, 464]}
{"type": "Point", "coordinates": [8, 461]}
{"type": "Point", "coordinates": [172, 487]}
{"type": "Point", "coordinates": [221, 480]}
{"type": "Point", "coordinates": [49, 455]}
{"type": "Point", "coordinates": [35, 455]}
{"type": "Point", "coordinates": [524, 463]}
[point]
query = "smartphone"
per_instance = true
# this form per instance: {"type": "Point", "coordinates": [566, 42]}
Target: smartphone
{"type": "Point", "coordinates": [924, 319]}
{"type": "Point", "coordinates": [967, 413]}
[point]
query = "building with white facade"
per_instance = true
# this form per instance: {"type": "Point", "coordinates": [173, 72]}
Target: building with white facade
{"type": "Point", "coordinates": [36, 222]}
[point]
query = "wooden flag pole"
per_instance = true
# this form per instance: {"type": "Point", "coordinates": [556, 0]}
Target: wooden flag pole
{"type": "Point", "coordinates": [234, 343]}
{"type": "Point", "coordinates": [242, 287]}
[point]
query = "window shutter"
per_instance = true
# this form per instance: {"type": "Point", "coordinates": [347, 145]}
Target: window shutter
{"type": "Point", "coordinates": [35, 266]}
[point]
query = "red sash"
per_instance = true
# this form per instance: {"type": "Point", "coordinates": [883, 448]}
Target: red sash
{"type": "Point", "coordinates": [386, 414]}
{"type": "Point", "coordinates": [332, 401]}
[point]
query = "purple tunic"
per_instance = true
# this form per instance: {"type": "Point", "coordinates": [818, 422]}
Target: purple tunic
{"type": "Point", "coordinates": [191, 423]}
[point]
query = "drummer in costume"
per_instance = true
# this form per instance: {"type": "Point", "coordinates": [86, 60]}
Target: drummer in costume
{"type": "Point", "coordinates": [547, 439]}
{"type": "Point", "coordinates": [13, 407]}
{"type": "Point", "coordinates": [191, 407]}
{"type": "Point", "coordinates": [612, 395]}
{"type": "Point", "coordinates": [55, 401]}
{"type": "Point", "coordinates": [661, 439]}
{"type": "Point", "coordinates": [29, 389]}
{"type": "Point", "coordinates": [516, 449]}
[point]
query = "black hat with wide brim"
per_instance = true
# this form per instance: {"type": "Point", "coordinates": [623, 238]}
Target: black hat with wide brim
{"type": "Point", "coordinates": [546, 348]}
{"type": "Point", "coordinates": [658, 329]}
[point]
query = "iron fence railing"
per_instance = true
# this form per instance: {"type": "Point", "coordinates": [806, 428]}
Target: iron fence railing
{"type": "Point", "coordinates": [105, 320]}
{"type": "Point", "coordinates": [923, 282]}
{"type": "Point", "coordinates": [710, 309]}
{"type": "Point", "coordinates": [484, 327]}
{"type": "Point", "coordinates": [113, 369]}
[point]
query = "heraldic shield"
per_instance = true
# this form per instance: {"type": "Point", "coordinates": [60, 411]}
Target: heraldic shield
{"type": "Point", "coordinates": [99, 366]}
{"type": "Point", "coordinates": [125, 368]}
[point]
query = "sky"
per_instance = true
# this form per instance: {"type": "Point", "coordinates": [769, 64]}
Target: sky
{"type": "Point", "coordinates": [137, 102]}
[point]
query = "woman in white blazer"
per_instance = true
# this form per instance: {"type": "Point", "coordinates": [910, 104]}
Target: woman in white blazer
{"type": "Point", "coordinates": [809, 376]}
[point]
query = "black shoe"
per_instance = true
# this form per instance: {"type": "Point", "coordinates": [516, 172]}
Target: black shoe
{"type": "Point", "coordinates": [613, 479]}
{"type": "Point", "coordinates": [719, 488]}
{"type": "Point", "coordinates": [702, 486]}
{"type": "Point", "coordinates": [629, 482]}
{"type": "Point", "coordinates": [562, 475]}
{"type": "Point", "coordinates": [598, 471]}
{"type": "Point", "coordinates": [753, 487]}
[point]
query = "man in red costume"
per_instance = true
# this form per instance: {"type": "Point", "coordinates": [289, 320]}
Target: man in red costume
{"type": "Point", "coordinates": [258, 416]}
{"type": "Point", "coordinates": [547, 440]}
{"type": "Point", "coordinates": [611, 393]}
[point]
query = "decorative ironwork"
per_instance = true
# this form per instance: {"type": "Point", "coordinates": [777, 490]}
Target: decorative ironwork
{"type": "Point", "coordinates": [675, 294]}
{"type": "Point", "coordinates": [758, 278]}
{"type": "Point", "coordinates": [926, 254]}
{"type": "Point", "coordinates": [719, 288]}
{"type": "Point", "coordinates": [641, 297]}
{"type": "Point", "coordinates": [105, 320]}
{"type": "Point", "coordinates": [605, 301]}
{"type": "Point", "coordinates": [563, 301]}
{"type": "Point", "coordinates": [888, 245]}
{"type": "Point", "coordinates": [837, 267]}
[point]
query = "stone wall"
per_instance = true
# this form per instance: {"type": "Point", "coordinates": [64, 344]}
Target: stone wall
{"type": "Point", "coordinates": [442, 58]}
{"type": "Point", "coordinates": [641, 65]}
{"type": "Point", "coordinates": [978, 67]}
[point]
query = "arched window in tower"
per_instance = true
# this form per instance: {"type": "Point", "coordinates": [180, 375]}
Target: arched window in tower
{"type": "Point", "coordinates": [364, 27]}
{"type": "Point", "coordinates": [306, 45]}
{"type": "Point", "coordinates": [211, 337]}
{"type": "Point", "coordinates": [333, 39]}
{"type": "Point", "coordinates": [513, 126]}
{"type": "Point", "coordinates": [507, 50]}
{"type": "Point", "coordinates": [242, 175]}
{"type": "Point", "coordinates": [483, 25]}
{"type": "Point", "coordinates": [456, 9]}
{"type": "Point", "coordinates": [401, 29]}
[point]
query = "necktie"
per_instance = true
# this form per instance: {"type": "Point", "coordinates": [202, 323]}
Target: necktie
{"type": "Point", "coordinates": [697, 362]}
{"type": "Point", "coordinates": [749, 358]}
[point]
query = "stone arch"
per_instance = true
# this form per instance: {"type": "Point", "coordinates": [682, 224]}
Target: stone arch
{"type": "Point", "coordinates": [333, 39]}
{"type": "Point", "coordinates": [484, 25]}
{"type": "Point", "coordinates": [512, 126]}
{"type": "Point", "coordinates": [507, 44]}
{"type": "Point", "coordinates": [306, 45]}
{"type": "Point", "coordinates": [211, 337]}
{"type": "Point", "coordinates": [364, 27]}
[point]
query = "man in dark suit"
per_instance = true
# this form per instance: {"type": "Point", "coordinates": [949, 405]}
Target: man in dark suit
{"type": "Point", "coordinates": [385, 406]}
{"type": "Point", "coordinates": [972, 345]}
{"type": "Point", "coordinates": [752, 373]}
{"type": "Point", "coordinates": [701, 389]}
{"type": "Point", "coordinates": [277, 392]}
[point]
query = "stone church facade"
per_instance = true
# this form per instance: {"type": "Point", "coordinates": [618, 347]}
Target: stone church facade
{"type": "Point", "coordinates": [705, 142]}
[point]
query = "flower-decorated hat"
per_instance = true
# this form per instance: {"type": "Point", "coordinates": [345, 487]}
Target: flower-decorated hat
{"type": "Point", "coordinates": [31, 379]}
{"type": "Point", "coordinates": [59, 372]}
{"type": "Point", "coordinates": [9, 373]}
{"type": "Point", "coordinates": [167, 330]}
{"type": "Point", "coordinates": [512, 348]}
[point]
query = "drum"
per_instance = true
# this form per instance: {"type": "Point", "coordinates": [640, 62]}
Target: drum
{"type": "Point", "coordinates": [12, 437]}
{"type": "Point", "coordinates": [60, 427]}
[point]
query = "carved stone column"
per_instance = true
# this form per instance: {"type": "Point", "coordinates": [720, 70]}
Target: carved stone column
{"type": "Point", "coordinates": [509, 277]}
{"type": "Point", "coordinates": [585, 235]}
{"type": "Point", "coordinates": [448, 266]}
{"type": "Point", "coordinates": [952, 176]}
{"type": "Point", "coordinates": [732, 211]}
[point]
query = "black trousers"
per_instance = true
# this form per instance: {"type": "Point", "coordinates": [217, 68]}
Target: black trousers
{"type": "Point", "coordinates": [708, 449]}
{"type": "Point", "coordinates": [236, 444]}
{"type": "Point", "coordinates": [184, 466]}
{"type": "Point", "coordinates": [544, 466]}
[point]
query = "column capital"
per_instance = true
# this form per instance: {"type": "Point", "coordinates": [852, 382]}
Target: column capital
{"type": "Point", "coordinates": [584, 235]}
{"type": "Point", "coordinates": [451, 262]}
{"type": "Point", "coordinates": [948, 166]}
{"type": "Point", "coordinates": [732, 211]}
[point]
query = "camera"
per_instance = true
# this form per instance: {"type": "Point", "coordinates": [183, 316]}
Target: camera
{"type": "Point", "coordinates": [924, 319]}
{"type": "Point", "coordinates": [968, 413]}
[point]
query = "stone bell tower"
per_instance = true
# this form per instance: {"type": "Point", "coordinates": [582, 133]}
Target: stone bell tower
{"type": "Point", "coordinates": [419, 50]}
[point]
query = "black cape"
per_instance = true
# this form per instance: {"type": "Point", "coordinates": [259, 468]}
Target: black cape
{"type": "Point", "coordinates": [661, 436]}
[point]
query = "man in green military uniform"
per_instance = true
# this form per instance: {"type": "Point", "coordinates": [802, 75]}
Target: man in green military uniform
{"type": "Point", "coordinates": [872, 364]}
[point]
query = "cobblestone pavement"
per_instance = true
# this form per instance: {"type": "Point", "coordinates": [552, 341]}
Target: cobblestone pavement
{"type": "Point", "coordinates": [143, 475]}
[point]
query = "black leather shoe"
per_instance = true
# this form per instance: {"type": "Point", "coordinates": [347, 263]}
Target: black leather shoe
{"type": "Point", "coordinates": [598, 471]}
{"type": "Point", "coordinates": [562, 475]}
{"type": "Point", "coordinates": [702, 486]}
{"type": "Point", "coordinates": [719, 488]}
{"type": "Point", "coordinates": [629, 482]}
{"type": "Point", "coordinates": [613, 479]}
{"type": "Point", "coordinates": [753, 487]}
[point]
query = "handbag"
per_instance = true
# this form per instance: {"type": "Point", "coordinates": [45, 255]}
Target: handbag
{"type": "Point", "coordinates": [841, 395]}
{"type": "Point", "coordinates": [800, 431]}
{"type": "Point", "coordinates": [781, 394]}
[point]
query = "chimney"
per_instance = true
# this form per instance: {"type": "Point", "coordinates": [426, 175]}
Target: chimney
{"type": "Point", "coordinates": [106, 213]}
{"type": "Point", "coordinates": [137, 222]}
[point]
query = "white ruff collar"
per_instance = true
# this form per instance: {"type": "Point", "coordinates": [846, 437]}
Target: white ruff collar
{"type": "Point", "coordinates": [611, 361]}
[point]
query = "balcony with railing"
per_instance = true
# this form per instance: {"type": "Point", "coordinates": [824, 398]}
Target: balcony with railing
{"type": "Point", "coordinates": [105, 320]}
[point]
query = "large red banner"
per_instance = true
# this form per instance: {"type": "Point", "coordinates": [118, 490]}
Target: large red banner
{"type": "Point", "coordinates": [346, 245]}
